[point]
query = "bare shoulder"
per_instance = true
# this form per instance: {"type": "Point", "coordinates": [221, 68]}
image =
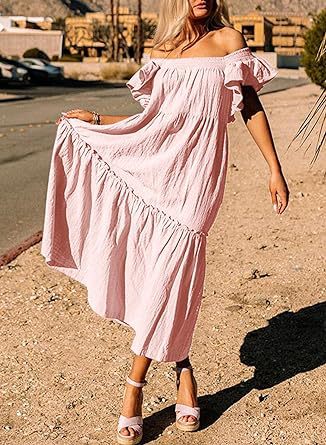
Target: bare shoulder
{"type": "Point", "coordinates": [229, 39]}
{"type": "Point", "coordinates": [157, 53]}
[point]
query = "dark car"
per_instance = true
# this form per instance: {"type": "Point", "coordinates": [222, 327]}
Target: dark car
{"type": "Point", "coordinates": [53, 72]}
{"type": "Point", "coordinates": [11, 73]}
{"type": "Point", "coordinates": [35, 76]}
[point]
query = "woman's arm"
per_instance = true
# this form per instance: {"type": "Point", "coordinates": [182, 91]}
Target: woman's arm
{"type": "Point", "coordinates": [110, 119]}
{"type": "Point", "coordinates": [87, 116]}
{"type": "Point", "coordinates": [257, 124]}
{"type": "Point", "coordinates": [255, 118]}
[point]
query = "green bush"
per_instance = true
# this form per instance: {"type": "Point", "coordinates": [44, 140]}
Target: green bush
{"type": "Point", "coordinates": [35, 53]}
{"type": "Point", "coordinates": [313, 38]}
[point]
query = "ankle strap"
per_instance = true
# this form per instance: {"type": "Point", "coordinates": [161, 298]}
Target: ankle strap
{"type": "Point", "coordinates": [180, 368]}
{"type": "Point", "coordinates": [137, 384]}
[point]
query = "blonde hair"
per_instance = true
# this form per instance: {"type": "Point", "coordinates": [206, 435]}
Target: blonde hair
{"type": "Point", "coordinates": [173, 26]}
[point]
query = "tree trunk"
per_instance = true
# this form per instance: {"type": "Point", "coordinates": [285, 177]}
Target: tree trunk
{"type": "Point", "coordinates": [116, 46]}
{"type": "Point", "coordinates": [111, 57]}
{"type": "Point", "coordinates": [139, 33]}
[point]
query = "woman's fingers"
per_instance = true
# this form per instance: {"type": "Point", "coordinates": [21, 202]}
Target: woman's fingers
{"type": "Point", "coordinates": [280, 200]}
{"type": "Point", "coordinates": [279, 192]}
{"type": "Point", "coordinates": [83, 115]}
{"type": "Point", "coordinates": [284, 199]}
{"type": "Point", "coordinates": [274, 200]}
{"type": "Point", "coordinates": [71, 114]}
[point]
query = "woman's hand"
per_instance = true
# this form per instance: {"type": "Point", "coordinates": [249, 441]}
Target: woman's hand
{"type": "Point", "coordinates": [279, 191]}
{"type": "Point", "coordinates": [83, 115]}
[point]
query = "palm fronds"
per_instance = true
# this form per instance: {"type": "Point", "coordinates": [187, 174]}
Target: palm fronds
{"type": "Point", "coordinates": [308, 131]}
{"type": "Point", "coordinates": [313, 130]}
{"type": "Point", "coordinates": [322, 49]}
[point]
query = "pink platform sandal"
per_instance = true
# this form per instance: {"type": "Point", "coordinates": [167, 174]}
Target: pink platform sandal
{"type": "Point", "coordinates": [185, 410]}
{"type": "Point", "coordinates": [135, 422]}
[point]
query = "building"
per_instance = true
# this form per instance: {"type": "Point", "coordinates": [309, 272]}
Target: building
{"type": "Point", "coordinates": [288, 33]}
{"type": "Point", "coordinates": [19, 33]}
{"type": "Point", "coordinates": [21, 21]}
{"type": "Point", "coordinates": [279, 32]}
{"type": "Point", "coordinates": [257, 30]}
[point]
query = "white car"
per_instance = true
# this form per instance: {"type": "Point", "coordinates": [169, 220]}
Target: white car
{"type": "Point", "coordinates": [53, 72]}
{"type": "Point", "coordinates": [14, 73]}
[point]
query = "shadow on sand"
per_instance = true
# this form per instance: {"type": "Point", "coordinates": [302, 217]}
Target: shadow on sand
{"type": "Point", "coordinates": [292, 343]}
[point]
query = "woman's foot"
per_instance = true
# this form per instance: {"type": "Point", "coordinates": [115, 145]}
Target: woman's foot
{"type": "Point", "coordinates": [187, 392]}
{"type": "Point", "coordinates": [132, 406]}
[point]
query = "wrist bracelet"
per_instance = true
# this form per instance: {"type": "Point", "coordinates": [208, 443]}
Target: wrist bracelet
{"type": "Point", "coordinates": [96, 118]}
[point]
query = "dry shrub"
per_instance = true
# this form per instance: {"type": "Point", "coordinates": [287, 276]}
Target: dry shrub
{"type": "Point", "coordinates": [73, 75]}
{"type": "Point", "coordinates": [114, 72]}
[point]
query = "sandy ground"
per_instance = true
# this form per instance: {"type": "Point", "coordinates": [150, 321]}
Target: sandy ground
{"type": "Point", "coordinates": [259, 345]}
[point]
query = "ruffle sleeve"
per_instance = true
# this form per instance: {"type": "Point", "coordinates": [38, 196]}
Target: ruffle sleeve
{"type": "Point", "coordinates": [141, 83]}
{"type": "Point", "coordinates": [246, 69]}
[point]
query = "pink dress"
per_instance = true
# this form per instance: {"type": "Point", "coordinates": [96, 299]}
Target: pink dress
{"type": "Point", "coordinates": [129, 205]}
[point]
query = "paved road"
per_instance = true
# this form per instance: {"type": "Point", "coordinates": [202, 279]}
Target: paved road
{"type": "Point", "coordinates": [27, 132]}
{"type": "Point", "coordinates": [68, 86]}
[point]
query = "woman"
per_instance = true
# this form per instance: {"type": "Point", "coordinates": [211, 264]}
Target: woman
{"type": "Point", "coordinates": [131, 198]}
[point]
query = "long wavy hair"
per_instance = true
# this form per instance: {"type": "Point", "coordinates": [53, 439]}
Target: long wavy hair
{"type": "Point", "coordinates": [176, 20]}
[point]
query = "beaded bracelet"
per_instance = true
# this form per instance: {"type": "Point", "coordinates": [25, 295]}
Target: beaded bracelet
{"type": "Point", "coordinates": [96, 118]}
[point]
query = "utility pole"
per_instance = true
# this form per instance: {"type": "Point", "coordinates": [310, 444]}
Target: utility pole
{"type": "Point", "coordinates": [139, 33]}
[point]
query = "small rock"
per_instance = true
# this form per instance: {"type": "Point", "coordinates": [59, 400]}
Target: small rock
{"type": "Point", "coordinates": [54, 297]}
{"type": "Point", "coordinates": [255, 274]}
{"type": "Point", "coordinates": [262, 397]}
{"type": "Point", "coordinates": [233, 308]}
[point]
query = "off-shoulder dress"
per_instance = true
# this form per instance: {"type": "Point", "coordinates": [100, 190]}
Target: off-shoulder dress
{"type": "Point", "coordinates": [129, 205]}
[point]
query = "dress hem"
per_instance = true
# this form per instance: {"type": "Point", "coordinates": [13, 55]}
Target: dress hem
{"type": "Point", "coordinates": [137, 351]}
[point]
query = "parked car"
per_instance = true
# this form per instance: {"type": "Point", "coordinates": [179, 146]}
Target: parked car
{"type": "Point", "coordinates": [36, 76]}
{"type": "Point", "coordinates": [13, 73]}
{"type": "Point", "coordinates": [53, 72]}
